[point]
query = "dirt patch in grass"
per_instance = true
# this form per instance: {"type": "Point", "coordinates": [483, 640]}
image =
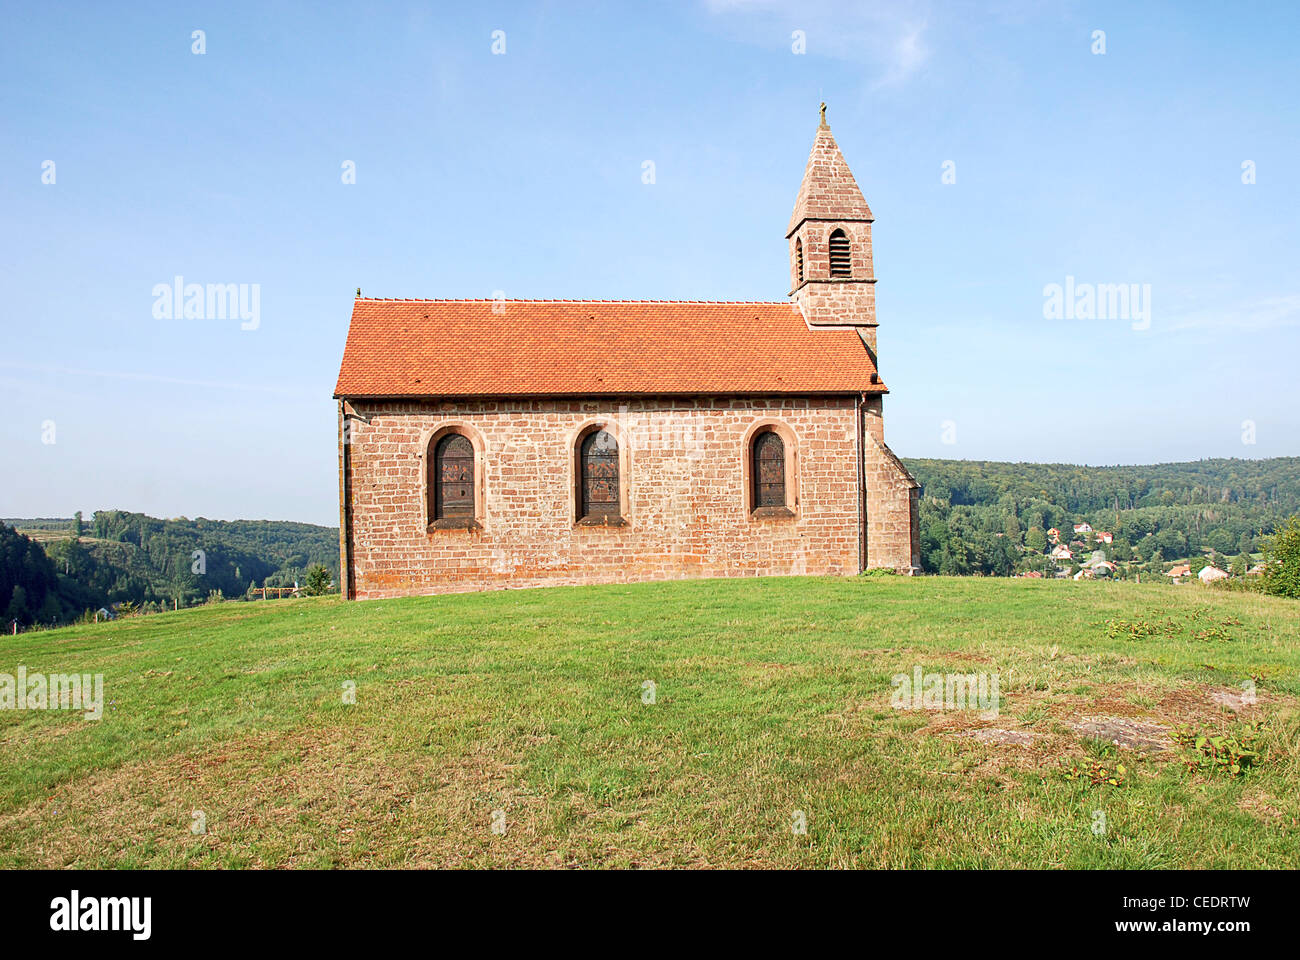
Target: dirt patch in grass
{"type": "Point", "coordinates": [1234, 700]}
{"type": "Point", "coordinates": [327, 796]}
{"type": "Point", "coordinates": [1260, 806]}
{"type": "Point", "coordinates": [1062, 723]}
{"type": "Point", "coordinates": [927, 655]}
{"type": "Point", "coordinates": [42, 730]}
{"type": "Point", "coordinates": [1019, 738]}
{"type": "Point", "coordinates": [759, 674]}
{"type": "Point", "coordinates": [339, 795]}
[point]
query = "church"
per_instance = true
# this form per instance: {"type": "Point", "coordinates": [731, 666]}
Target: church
{"type": "Point", "coordinates": [523, 443]}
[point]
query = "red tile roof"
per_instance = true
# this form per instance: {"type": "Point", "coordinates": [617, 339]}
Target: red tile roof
{"type": "Point", "coordinates": [461, 348]}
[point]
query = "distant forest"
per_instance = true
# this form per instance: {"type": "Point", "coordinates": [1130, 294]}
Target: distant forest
{"type": "Point", "coordinates": [63, 567]}
{"type": "Point", "coordinates": [977, 517]}
{"type": "Point", "coordinates": [1156, 513]}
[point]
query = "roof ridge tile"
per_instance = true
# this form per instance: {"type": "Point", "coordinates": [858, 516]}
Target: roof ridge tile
{"type": "Point", "coordinates": [548, 300]}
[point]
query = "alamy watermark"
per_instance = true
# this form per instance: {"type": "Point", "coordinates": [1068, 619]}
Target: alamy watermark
{"type": "Point", "coordinates": [58, 691]}
{"type": "Point", "coordinates": [946, 691]}
{"type": "Point", "coordinates": [1098, 301]}
{"type": "Point", "coordinates": [75, 913]}
{"type": "Point", "coordinates": [179, 300]}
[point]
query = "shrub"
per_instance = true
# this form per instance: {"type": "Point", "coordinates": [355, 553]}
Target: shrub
{"type": "Point", "coordinates": [318, 581]}
{"type": "Point", "coordinates": [1282, 560]}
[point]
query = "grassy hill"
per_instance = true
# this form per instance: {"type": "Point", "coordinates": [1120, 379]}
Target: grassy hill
{"type": "Point", "coordinates": [772, 700]}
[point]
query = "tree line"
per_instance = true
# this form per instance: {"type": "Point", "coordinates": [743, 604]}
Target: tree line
{"type": "Point", "coordinates": [976, 517]}
{"type": "Point", "coordinates": [992, 518]}
{"type": "Point", "coordinates": [131, 558]}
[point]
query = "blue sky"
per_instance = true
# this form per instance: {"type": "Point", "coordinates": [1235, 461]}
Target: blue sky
{"type": "Point", "coordinates": [522, 172]}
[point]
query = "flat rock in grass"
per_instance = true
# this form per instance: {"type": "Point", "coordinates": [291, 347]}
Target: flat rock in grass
{"type": "Point", "coordinates": [993, 735]}
{"type": "Point", "coordinates": [1125, 732]}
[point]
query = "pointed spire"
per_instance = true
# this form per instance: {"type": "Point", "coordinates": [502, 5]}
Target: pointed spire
{"type": "Point", "coordinates": [828, 191]}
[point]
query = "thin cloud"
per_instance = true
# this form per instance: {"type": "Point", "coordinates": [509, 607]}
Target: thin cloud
{"type": "Point", "coordinates": [1267, 313]}
{"type": "Point", "coordinates": [889, 36]}
{"type": "Point", "coordinates": [910, 54]}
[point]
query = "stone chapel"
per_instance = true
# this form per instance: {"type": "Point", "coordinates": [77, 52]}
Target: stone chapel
{"type": "Point", "coordinates": [523, 443]}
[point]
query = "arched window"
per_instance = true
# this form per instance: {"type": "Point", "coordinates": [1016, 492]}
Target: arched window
{"type": "Point", "coordinates": [452, 479]}
{"type": "Point", "coordinates": [598, 490]}
{"type": "Point", "coordinates": [798, 259]}
{"type": "Point", "coordinates": [769, 470]}
{"type": "Point", "coordinates": [841, 261]}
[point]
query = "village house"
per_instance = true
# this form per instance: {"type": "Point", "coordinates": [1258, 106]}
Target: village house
{"type": "Point", "coordinates": [1082, 528]}
{"type": "Point", "coordinates": [1096, 566]}
{"type": "Point", "coordinates": [1062, 552]}
{"type": "Point", "coordinates": [515, 443]}
{"type": "Point", "coordinates": [1210, 574]}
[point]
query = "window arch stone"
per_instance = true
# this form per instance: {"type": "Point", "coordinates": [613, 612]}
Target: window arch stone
{"type": "Point", "coordinates": [453, 475]}
{"type": "Point", "coordinates": [787, 485]}
{"type": "Point", "coordinates": [600, 477]}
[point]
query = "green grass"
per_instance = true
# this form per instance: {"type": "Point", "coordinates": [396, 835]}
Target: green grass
{"type": "Point", "coordinates": [772, 696]}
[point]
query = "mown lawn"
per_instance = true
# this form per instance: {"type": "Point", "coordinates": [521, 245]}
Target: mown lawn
{"type": "Point", "coordinates": [772, 700]}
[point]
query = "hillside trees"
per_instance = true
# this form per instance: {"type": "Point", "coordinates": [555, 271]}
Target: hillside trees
{"type": "Point", "coordinates": [188, 559]}
{"type": "Point", "coordinates": [29, 585]}
{"type": "Point", "coordinates": [133, 558]}
{"type": "Point", "coordinates": [1282, 558]}
{"type": "Point", "coordinates": [1163, 511]}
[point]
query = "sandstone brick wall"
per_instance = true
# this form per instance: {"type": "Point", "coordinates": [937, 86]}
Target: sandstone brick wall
{"type": "Point", "coordinates": [893, 522]}
{"type": "Point", "coordinates": [686, 481]}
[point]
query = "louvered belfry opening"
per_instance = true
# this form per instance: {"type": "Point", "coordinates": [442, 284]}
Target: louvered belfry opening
{"type": "Point", "coordinates": [841, 264]}
{"type": "Point", "coordinates": [599, 459]}
{"type": "Point", "coordinates": [798, 259]}
{"type": "Point", "coordinates": [453, 473]}
{"type": "Point", "coordinates": [769, 470]}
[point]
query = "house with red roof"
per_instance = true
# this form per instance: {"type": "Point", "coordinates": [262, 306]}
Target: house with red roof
{"type": "Point", "coordinates": [515, 443]}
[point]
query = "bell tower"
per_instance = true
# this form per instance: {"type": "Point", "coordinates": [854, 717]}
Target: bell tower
{"type": "Point", "coordinates": [831, 273]}
{"type": "Point", "coordinates": [833, 282]}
